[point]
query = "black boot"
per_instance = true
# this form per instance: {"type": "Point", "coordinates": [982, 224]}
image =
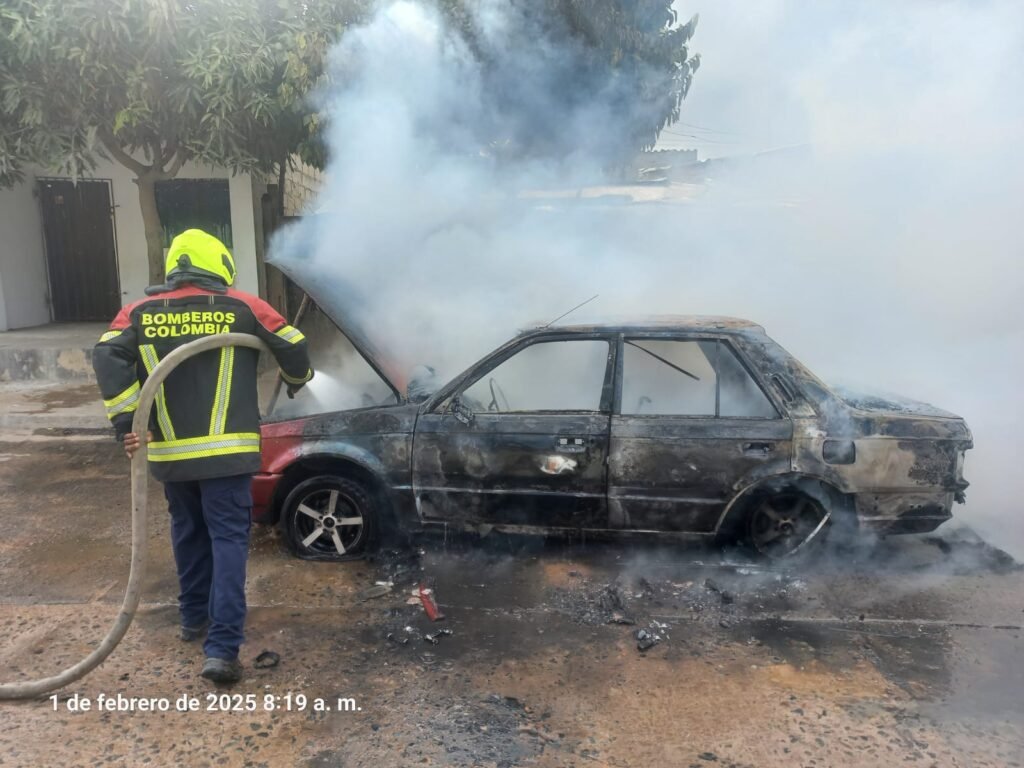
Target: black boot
{"type": "Point", "coordinates": [222, 671]}
{"type": "Point", "coordinates": [189, 634]}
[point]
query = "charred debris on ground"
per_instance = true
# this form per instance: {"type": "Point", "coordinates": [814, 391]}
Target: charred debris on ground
{"type": "Point", "coordinates": [654, 595]}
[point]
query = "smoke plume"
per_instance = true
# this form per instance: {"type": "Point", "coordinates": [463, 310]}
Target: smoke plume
{"type": "Point", "coordinates": [884, 250]}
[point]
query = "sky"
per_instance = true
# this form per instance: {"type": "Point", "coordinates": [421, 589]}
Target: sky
{"type": "Point", "coordinates": [778, 73]}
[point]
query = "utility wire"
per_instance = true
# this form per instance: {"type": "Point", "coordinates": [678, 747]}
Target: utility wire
{"type": "Point", "coordinates": [698, 138]}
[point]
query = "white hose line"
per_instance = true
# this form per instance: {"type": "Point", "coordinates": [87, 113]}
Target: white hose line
{"type": "Point", "coordinates": [140, 482]}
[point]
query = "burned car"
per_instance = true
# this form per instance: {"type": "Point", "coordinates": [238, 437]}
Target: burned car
{"type": "Point", "coordinates": [695, 427]}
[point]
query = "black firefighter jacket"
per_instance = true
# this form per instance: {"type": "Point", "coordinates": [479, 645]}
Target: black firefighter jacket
{"type": "Point", "coordinates": [206, 421]}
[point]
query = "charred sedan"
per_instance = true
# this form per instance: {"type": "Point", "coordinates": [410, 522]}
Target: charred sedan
{"type": "Point", "coordinates": [691, 427]}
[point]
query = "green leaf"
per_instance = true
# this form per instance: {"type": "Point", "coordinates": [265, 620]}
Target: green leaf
{"type": "Point", "coordinates": [120, 120]}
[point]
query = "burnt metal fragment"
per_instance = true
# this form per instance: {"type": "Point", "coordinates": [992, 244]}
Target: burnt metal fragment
{"type": "Point", "coordinates": [266, 660]}
{"type": "Point", "coordinates": [619, 618]}
{"type": "Point", "coordinates": [434, 637]}
{"type": "Point", "coordinates": [646, 640]}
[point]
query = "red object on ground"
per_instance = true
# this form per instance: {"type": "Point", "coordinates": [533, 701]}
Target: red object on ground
{"type": "Point", "coordinates": [427, 598]}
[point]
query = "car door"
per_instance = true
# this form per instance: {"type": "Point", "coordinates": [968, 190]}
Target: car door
{"type": "Point", "coordinates": [691, 424]}
{"type": "Point", "coordinates": [523, 440]}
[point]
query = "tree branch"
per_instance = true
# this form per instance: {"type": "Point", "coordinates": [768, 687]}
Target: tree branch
{"type": "Point", "coordinates": [179, 160]}
{"type": "Point", "coordinates": [169, 150]}
{"type": "Point", "coordinates": [158, 155]}
{"type": "Point", "coordinates": [110, 144]}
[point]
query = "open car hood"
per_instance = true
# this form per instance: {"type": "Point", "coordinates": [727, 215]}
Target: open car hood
{"type": "Point", "coordinates": [341, 313]}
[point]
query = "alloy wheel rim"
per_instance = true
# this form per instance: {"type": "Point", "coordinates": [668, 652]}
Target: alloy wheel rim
{"type": "Point", "coordinates": [329, 521]}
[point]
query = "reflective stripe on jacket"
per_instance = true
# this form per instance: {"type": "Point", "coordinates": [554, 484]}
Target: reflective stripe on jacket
{"type": "Point", "coordinates": [206, 416]}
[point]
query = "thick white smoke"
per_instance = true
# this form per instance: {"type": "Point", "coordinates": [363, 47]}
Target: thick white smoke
{"type": "Point", "coordinates": [886, 254]}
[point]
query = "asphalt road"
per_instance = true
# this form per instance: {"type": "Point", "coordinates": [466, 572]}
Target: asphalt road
{"type": "Point", "coordinates": [904, 652]}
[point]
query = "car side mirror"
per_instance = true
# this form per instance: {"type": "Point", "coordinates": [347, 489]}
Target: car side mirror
{"type": "Point", "coordinates": [462, 412]}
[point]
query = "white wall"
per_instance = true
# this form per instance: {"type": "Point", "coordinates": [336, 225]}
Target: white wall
{"type": "Point", "coordinates": [131, 233]}
{"type": "Point", "coordinates": [23, 286]}
{"type": "Point", "coordinates": [243, 232]}
{"type": "Point", "coordinates": [23, 282]}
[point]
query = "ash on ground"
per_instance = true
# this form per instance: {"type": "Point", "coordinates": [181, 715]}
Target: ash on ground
{"type": "Point", "coordinates": [656, 604]}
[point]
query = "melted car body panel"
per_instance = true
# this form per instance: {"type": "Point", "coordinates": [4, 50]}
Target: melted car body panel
{"type": "Point", "coordinates": [620, 465]}
{"type": "Point", "coordinates": [513, 469]}
{"type": "Point", "coordinates": [678, 474]}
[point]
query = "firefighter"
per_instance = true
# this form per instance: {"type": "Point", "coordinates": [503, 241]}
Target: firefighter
{"type": "Point", "coordinates": [204, 442]}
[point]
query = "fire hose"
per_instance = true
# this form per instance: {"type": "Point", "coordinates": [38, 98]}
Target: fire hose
{"type": "Point", "coordinates": [140, 481]}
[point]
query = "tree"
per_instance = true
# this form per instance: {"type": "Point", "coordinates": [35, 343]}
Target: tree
{"type": "Point", "coordinates": [630, 56]}
{"type": "Point", "coordinates": [642, 42]}
{"type": "Point", "coordinates": [153, 84]}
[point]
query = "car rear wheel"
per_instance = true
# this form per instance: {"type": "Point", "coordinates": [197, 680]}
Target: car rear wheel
{"type": "Point", "coordinates": [329, 518]}
{"type": "Point", "coordinates": [785, 523]}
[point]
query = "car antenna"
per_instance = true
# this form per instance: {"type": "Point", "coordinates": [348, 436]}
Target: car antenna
{"type": "Point", "coordinates": [571, 311]}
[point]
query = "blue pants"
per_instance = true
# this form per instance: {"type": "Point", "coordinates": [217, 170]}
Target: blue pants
{"type": "Point", "coordinates": [210, 521]}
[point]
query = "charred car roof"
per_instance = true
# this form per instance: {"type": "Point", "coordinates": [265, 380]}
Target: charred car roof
{"type": "Point", "coordinates": [655, 323]}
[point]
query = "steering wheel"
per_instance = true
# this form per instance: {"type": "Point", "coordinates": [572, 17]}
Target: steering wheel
{"type": "Point", "coordinates": [496, 390]}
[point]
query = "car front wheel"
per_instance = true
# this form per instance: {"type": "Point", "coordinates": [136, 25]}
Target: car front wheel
{"type": "Point", "coordinates": [329, 518]}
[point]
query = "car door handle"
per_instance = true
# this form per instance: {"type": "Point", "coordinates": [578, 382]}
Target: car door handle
{"type": "Point", "coordinates": [571, 444]}
{"type": "Point", "coordinates": [758, 449]}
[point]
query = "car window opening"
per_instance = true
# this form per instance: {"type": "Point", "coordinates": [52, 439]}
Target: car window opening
{"type": "Point", "coordinates": [716, 384]}
{"type": "Point", "coordinates": [662, 359]}
{"type": "Point", "coordinates": [544, 376]}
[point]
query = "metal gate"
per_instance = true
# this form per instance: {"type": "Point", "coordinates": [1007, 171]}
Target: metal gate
{"type": "Point", "coordinates": [81, 258]}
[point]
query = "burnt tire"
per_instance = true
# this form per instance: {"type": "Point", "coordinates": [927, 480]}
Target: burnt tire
{"type": "Point", "coordinates": [330, 518]}
{"type": "Point", "coordinates": [785, 523]}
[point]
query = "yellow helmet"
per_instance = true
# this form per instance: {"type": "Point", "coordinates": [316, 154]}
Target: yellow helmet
{"type": "Point", "coordinates": [198, 252]}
